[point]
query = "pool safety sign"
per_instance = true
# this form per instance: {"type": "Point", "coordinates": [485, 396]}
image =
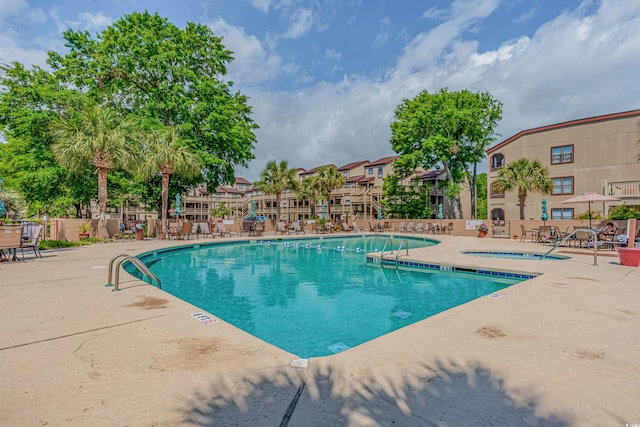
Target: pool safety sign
{"type": "Point", "coordinates": [204, 318]}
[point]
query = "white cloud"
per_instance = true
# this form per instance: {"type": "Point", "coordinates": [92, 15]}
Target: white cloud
{"type": "Point", "coordinates": [574, 66]}
{"type": "Point", "coordinates": [12, 7]}
{"type": "Point", "coordinates": [252, 64]}
{"type": "Point", "coordinates": [332, 54]}
{"type": "Point", "coordinates": [93, 21]}
{"type": "Point", "coordinates": [37, 15]}
{"type": "Point", "coordinates": [262, 5]}
{"type": "Point", "coordinates": [301, 23]}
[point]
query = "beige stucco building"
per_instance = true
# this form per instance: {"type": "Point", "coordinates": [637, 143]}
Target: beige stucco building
{"type": "Point", "coordinates": [596, 154]}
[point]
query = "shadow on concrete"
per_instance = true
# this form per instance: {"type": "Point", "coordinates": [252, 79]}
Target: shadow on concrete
{"type": "Point", "coordinates": [439, 394]}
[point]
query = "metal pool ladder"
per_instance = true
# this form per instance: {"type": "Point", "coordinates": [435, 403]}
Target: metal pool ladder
{"type": "Point", "coordinates": [573, 233]}
{"type": "Point", "coordinates": [135, 261]}
{"type": "Point", "coordinates": [389, 242]}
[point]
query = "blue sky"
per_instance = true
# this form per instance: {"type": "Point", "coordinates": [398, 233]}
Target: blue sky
{"type": "Point", "coordinates": [324, 76]}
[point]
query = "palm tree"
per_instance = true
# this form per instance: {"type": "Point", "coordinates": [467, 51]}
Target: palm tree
{"type": "Point", "coordinates": [329, 178]}
{"type": "Point", "coordinates": [523, 175]}
{"type": "Point", "coordinates": [275, 179]}
{"type": "Point", "coordinates": [307, 190]}
{"type": "Point", "coordinates": [97, 137]}
{"type": "Point", "coordinates": [164, 154]}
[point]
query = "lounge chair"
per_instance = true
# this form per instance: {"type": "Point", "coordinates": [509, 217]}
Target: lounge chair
{"type": "Point", "coordinates": [401, 227]}
{"type": "Point", "coordinates": [420, 228]}
{"type": "Point", "coordinates": [221, 229]}
{"type": "Point", "coordinates": [281, 228]}
{"type": "Point", "coordinates": [355, 227]}
{"type": "Point", "coordinates": [33, 242]}
{"type": "Point", "coordinates": [410, 227]}
{"type": "Point", "coordinates": [296, 227]}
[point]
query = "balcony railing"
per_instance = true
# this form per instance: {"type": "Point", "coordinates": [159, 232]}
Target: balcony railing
{"type": "Point", "coordinates": [623, 190]}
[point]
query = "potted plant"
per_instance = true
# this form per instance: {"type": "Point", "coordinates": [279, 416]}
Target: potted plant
{"type": "Point", "coordinates": [483, 230]}
{"type": "Point", "coordinates": [84, 230]}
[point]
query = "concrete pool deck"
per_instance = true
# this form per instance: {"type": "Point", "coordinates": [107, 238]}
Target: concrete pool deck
{"type": "Point", "coordinates": [558, 350]}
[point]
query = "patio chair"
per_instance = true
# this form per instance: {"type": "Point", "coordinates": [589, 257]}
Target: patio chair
{"type": "Point", "coordinates": [346, 228]}
{"type": "Point", "coordinates": [259, 228]}
{"type": "Point", "coordinates": [281, 228]}
{"type": "Point", "coordinates": [11, 240]}
{"type": "Point", "coordinates": [410, 227]}
{"type": "Point", "coordinates": [447, 228]}
{"type": "Point", "coordinates": [296, 227]}
{"type": "Point", "coordinates": [221, 229]}
{"type": "Point", "coordinates": [401, 227]}
{"type": "Point", "coordinates": [356, 228]}
{"type": "Point", "coordinates": [202, 229]}
{"type": "Point", "coordinates": [33, 242]}
{"type": "Point", "coordinates": [528, 233]}
{"type": "Point", "coordinates": [185, 230]}
{"type": "Point", "coordinates": [420, 228]}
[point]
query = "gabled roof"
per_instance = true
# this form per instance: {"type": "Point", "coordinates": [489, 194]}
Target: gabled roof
{"type": "Point", "coordinates": [432, 174]}
{"type": "Point", "coordinates": [353, 165]}
{"type": "Point", "coordinates": [587, 120]}
{"type": "Point", "coordinates": [229, 190]}
{"type": "Point", "coordinates": [314, 170]}
{"type": "Point", "coordinates": [240, 180]}
{"type": "Point", "coordinates": [358, 179]}
{"type": "Point", "coordinates": [383, 161]}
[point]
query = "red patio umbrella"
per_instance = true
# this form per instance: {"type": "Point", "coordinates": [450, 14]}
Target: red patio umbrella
{"type": "Point", "coordinates": [588, 198]}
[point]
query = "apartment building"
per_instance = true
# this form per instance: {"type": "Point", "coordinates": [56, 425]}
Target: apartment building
{"type": "Point", "coordinates": [359, 198]}
{"type": "Point", "coordinates": [595, 154]}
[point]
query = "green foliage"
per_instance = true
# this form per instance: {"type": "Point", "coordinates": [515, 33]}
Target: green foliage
{"type": "Point", "coordinates": [276, 178]}
{"type": "Point", "coordinates": [623, 212]}
{"type": "Point", "coordinates": [150, 70]}
{"type": "Point", "coordinates": [308, 190]}
{"type": "Point", "coordinates": [481, 196]}
{"type": "Point", "coordinates": [523, 175]}
{"type": "Point", "coordinates": [402, 201]}
{"type": "Point", "coordinates": [222, 211]}
{"type": "Point", "coordinates": [29, 100]}
{"type": "Point", "coordinates": [328, 179]}
{"type": "Point", "coordinates": [448, 129]}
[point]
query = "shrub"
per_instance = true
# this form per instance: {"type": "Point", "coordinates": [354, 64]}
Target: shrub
{"type": "Point", "coordinates": [623, 212]}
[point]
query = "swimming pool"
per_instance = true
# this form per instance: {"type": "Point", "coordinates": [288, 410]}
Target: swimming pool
{"type": "Point", "coordinates": [312, 297]}
{"type": "Point", "coordinates": [516, 255]}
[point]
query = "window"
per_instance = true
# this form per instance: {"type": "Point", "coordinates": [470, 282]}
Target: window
{"type": "Point", "coordinates": [497, 215]}
{"type": "Point", "coordinates": [497, 161]}
{"type": "Point", "coordinates": [562, 154]}
{"type": "Point", "coordinates": [345, 174]}
{"type": "Point", "coordinates": [380, 172]}
{"type": "Point", "coordinates": [562, 213]}
{"type": "Point", "coordinates": [370, 171]}
{"type": "Point", "coordinates": [563, 185]}
{"type": "Point", "coordinates": [495, 194]}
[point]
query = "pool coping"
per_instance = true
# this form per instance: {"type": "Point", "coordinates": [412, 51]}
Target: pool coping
{"type": "Point", "coordinates": [559, 349]}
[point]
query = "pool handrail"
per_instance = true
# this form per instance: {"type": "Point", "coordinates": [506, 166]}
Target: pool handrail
{"type": "Point", "coordinates": [135, 261]}
{"type": "Point", "coordinates": [406, 247]}
{"type": "Point", "coordinates": [572, 234]}
{"type": "Point", "coordinates": [390, 242]}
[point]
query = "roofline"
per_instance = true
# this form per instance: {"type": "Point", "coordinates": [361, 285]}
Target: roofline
{"type": "Point", "coordinates": [586, 120]}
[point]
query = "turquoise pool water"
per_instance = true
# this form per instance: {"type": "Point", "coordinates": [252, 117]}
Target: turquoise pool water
{"type": "Point", "coordinates": [516, 255]}
{"type": "Point", "coordinates": [313, 297]}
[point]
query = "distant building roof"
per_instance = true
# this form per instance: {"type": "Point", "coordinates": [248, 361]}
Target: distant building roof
{"type": "Point", "coordinates": [587, 120]}
{"type": "Point", "coordinates": [432, 174]}
{"type": "Point", "coordinates": [382, 161]}
{"type": "Point", "coordinates": [314, 170]}
{"type": "Point", "coordinates": [240, 180]}
{"type": "Point", "coordinates": [229, 190]}
{"type": "Point", "coordinates": [353, 165]}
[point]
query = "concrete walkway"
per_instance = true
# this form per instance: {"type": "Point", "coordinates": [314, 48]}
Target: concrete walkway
{"type": "Point", "coordinates": [558, 350]}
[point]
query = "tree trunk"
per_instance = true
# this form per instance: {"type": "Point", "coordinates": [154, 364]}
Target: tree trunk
{"type": "Point", "coordinates": [457, 203]}
{"type": "Point", "coordinates": [473, 191]}
{"type": "Point", "coordinates": [522, 198]}
{"type": "Point", "coordinates": [329, 205]}
{"type": "Point", "coordinates": [165, 205]}
{"type": "Point", "coordinates": [312, 206]}
{"type": "Point", "coordinates": [278, 195]}
{"type": "Point", "coordinates": [102, 203]}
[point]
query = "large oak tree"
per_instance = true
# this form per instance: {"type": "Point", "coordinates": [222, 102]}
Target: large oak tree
{"type": "Point", "coordinates": [446, 129]}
